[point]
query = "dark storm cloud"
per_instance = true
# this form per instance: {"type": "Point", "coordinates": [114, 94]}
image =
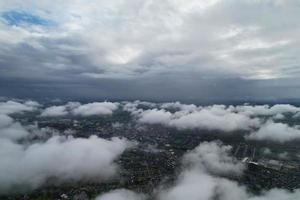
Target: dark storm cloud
{"type": "Point", "coordinates": [179, 88]}
{"type": "Point", "coordinates": [51, 59]}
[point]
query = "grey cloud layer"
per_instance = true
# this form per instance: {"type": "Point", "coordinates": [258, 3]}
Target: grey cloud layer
{"type": "Point", "coordinates": [248, 39]}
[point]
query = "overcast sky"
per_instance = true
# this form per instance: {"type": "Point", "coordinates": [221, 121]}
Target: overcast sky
{"type": "Point", "coordinates": [155, 50]}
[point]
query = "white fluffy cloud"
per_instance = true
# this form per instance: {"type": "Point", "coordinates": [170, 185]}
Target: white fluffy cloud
{"type": "Point", "coordinates": [180, 106]}
{"type": "Point", "coordinates": [75, 108]}
{"type": "Point", "coordinates": [10, 129]}
{"type": "Point", "coordinates": [5, 120]}
{"type": "Point", "coordinates": [216, 117]}
{"type": "Point", "coordinates": [213, 158]}
{"type": "Point", "coordinates": [54, 111]}
{"type": "Point", "coordinates": [195, 185]}
{"type": "Point", "coordinates": [278, 132]}
{"type": "Point", "coordinates": [200, 178]}
{"type": "Point", "coordinates": [208, 119]}
{"type": "Point", "coordinates": [266, 109]}
{"type": "Point", "coordinates": [255, 119]}
{"type": "Point", "coordinates": [27, 167]}
{"type": "Point", "coordinates": [96, 108]}
{"type": "Point", "coordinates": [155, 116]}
{"type": "Point", "coordinates": [121, 194]}
{"type": "Point", "coordinates": [10, 107]}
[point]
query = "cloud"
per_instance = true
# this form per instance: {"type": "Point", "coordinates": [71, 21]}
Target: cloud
{"type": "Point", "coordinates": [60, 159]}
{"type": "Point", "coordinates": [121, 194]}
{"type": "Point", "coordinates": [208, 119]}
{"type": "Point", "coordinates": [194, 185]}
{"type": "Point", "coordinates": [205, 176]}
{"type": "Point", "coordinates": [200, 176]}
{"type": "Point", "coordinates": [210, 166]}
{"type": "Point", "coordinates": [54, 111]}
{"type": "Point", "coordinates": [62, 110]}
{"type": "Point", "coordinates": [216, 117]}
{"type": "Point", "coordinates": [155, 116]}
{"type": "Point", "coordinates": [284, 155]}
{"type": "Point", "coordinates": [10, 107]}
{"type": "Point", "coordinates": [5, 120]}
{"type": "Point", "coordinates": [52, 157]}
{"type": "Point", "coordinates": [142, 38]}
{"type": "Point", "coordinates": [96, 108]}
{"type": "Point", "coordinates": [201, 179]}
{"type": "Point", "coordinates": [213, 158]}
{"type": "Point", "coordinates": [266, 110]}
{"type": "Point", "coordinates": [278, 116]}
{"type": "Point", "coordinates": [179, 106]}
{"type": "Point", "coordinates": [267, 151]}
{"type": "Point", "coordinates": [277, 132]}
{"type": "Point", "coordinates": [10, 129]}
{"type": "Point", "coordinates": [75, 108]}
{"type": "Point", "coordinates": [256, 121]}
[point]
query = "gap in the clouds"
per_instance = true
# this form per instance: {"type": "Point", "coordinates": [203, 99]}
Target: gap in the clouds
{"type": "Point", "coordinates": [24, 18]}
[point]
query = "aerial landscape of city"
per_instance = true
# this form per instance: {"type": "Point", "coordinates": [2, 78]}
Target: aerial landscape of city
{"type": "Point", "coordinates": [70, 150]}
{"type": "Point", "coordinates": [149, 100]}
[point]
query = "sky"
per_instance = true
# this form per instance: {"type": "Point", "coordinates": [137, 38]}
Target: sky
{"type": "Point", "coordinates": [196, 50]}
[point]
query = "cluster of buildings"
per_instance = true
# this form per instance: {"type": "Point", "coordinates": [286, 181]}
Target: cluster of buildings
{"type": "Point", "coordinates": [263, 173]}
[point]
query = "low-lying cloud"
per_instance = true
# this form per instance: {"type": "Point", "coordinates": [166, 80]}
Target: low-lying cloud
{"type": "Point", "coordinates": [10, 107]}
{"type": "Point", "coordinates": [75, 108]}
{"type": "Point", "coordinates": [214, 158]}
{"type": "Point", "coordinates": [210, 118]}
{"type": "Point", "coordinates": [96, 108]}
{"type": "Point", "coordinates": [205, 176]}
{"type": "Point", "coordinates": [53, 158]}
{"type": "Point", "coordinates": [266, 110]}
{"type": "Point", "coordinates": [121, 194]}
{"type": "Point", "coordinates": [278, 132]}
{"type": "Point", "coordinates": [201, 178]}
{"type": "Point", "coordinates": [61, 159]}
{"type": "Point", "coordinates": [207, 172]}
{"type": "Point", "coordinates": [257, 121]}
{"type": "Point", "coordinates": [10, 129]}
